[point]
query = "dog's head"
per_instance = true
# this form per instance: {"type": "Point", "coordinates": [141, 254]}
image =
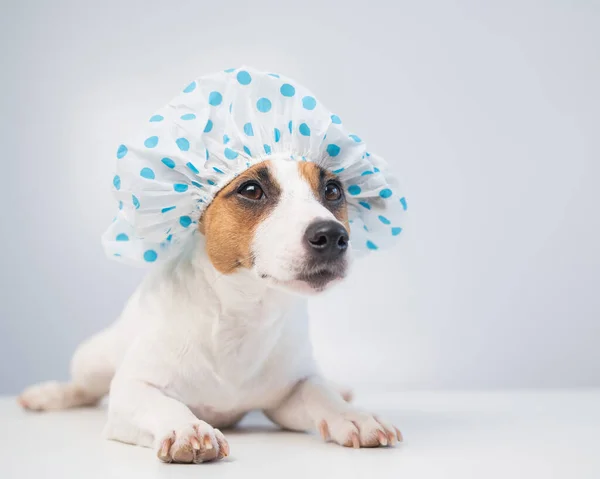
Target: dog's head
{"type": "Point", "coordinates": [286, 221]}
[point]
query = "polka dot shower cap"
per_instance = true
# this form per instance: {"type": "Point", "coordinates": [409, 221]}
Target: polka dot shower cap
{"type": "Point", "coordinates": [217, 127]}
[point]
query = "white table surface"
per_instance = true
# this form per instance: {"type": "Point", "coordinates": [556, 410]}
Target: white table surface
{"type": "Point", "coordinates": [551, 434]}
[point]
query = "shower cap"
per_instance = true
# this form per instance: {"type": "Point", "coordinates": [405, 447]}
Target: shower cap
{"type": "Point", "coordinates": [216, 128]}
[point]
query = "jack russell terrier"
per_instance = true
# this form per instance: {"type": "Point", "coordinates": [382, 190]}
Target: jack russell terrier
{"type": "Point", "coordinates": [223, 329]}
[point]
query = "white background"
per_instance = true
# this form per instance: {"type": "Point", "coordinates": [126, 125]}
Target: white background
{"type": "Point", "coordinates": [489, 112]}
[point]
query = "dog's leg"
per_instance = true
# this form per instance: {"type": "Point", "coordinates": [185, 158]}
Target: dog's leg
{"type": "Point", "coordinates": [345, 392]}
{"type": "Point", "coordinates": [92, 369]}
{"type": "Point", "coordinates": [176, 433]}
{"type": "Point", "coordinates": [315, 405]}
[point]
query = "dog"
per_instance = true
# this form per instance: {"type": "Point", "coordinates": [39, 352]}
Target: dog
{"type": "Point", "coordinates": [223, 328]}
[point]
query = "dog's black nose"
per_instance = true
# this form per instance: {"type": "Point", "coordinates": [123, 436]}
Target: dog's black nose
{"type": "Point", "coordinates": [326, 239]}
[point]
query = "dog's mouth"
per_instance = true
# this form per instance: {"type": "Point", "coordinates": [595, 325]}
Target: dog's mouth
{"type": "Point", "coordinates": [319, 278]}
{"type": "Point", "coordinates": [313, 279]}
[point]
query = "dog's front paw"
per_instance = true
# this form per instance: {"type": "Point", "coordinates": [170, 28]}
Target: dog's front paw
{"type": "Point", "coordinates": [357, 429]}
{"type": "Point", "coordinates": [195, 443]}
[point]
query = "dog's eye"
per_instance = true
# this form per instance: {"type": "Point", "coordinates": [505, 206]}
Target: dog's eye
{"type": "Point", "coordinates": [252, 191]}
{"type": "Point", "coordinates": [333, 192]}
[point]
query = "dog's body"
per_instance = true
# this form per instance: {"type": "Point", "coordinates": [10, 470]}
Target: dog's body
{"type": "Point", "coordinates": [221, 330]}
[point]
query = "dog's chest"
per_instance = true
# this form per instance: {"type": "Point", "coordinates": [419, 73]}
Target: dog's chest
{"type": "Point", "coordinates": [242, 361]}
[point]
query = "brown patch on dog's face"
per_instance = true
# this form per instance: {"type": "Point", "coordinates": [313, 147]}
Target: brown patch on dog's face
{"type": "Point", "coordinates": [230, 221]}
{"type": "Point", "coordinates": [323, 183]}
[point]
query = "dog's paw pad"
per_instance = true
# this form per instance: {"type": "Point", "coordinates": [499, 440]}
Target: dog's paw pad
{"type": "Point", "coordinates": [195, 443]}
{"type": "Point", "coordinates": [356, 429]}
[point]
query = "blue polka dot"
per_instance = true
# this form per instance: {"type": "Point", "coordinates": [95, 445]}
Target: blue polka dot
{"type": "Point", "coordinates": [170, 237]}
{"type": "Point", "coordinates": [336, 119]}
{"type": "Point", "coordinates": [122, 237]}
{"type": "Point", "coordinates": [304, 129]}
{"type": "Point", "coordinates": [168, 162]}
{"type": "Point", "coordinates": [355, 138]}
{"type": "Point", "coordinates": [188, 116]}
{"type": "Point", "coordinates": [169, 208]}
{"type": "Point", "coordinates": [215, 98]}
{"type": "Point", "coordinates": [150, 256]}
{"type": "Point", "coordinates": [384, 220]}
{"type": "Point", "coordinates": [385, 193]}
{"type": "Point", "coordinates": [309, 102]}
{"type": "Point", "coordinates": [376, 170]}
{"type": "Point", "coordinates": [338, 171]}
{"type": "Point", "coordinates": [403, 203]}
{"type": "Point", "coordinates": [230, 70]}
{"type": "Point", "coordinates": [191, 166]}
{"type": "Point", "coordinates": [225, 139]}
{"type": "Point", "coordinates": [365, 228]}
{"type": "Point", "coordinates": [244, 78]}
{"type": "Point", "coordinates": [277, 135]}
{"type": "Point", "coordinates": [371, 245]}
{"type": "Point", "coordinates": [275, 75]}
{"type": "Point", "coordinates": [230, 154]}
{"type": "Point", "coordinates": [121, 151]}
{"type": "Point", "coordinates": [230, 107]}
{"type": "Point", "coordinates": [354, 189]}
{"type": "Point", "coordinates": [290, 126]}
{"type": "Point", "coordinates": [263, 105]}
{"type": "Point", "coordinates": [267, 149]}
{"type": "Point", "coordinates": [248, 130]}
{"type": "Point", "coordinates": [365, 173]}
{"type": "Point", "coordinates": [368, 154]}
{"type": "Point", "coordinates": [157, 118]}
{"type": "Point", "coordinates": [190, 88]}
{"type": "Point", "coordinates": [247, 150]}
{"type": "Point", "coordinates": [151, 142]}
{"type": "Point", "coordinates": [117, 182]}
{"type": "Point", "coordinates": [218, 171]}
{"type": "Point", "coordinates": [147, 173]}
{"type": "Point", "coordinates": [120, 205]}
{"type": "Point", "coordinates": [364, 204]}
{"type": "Point", "coordinates": [396, 230]}
{"type": "Point", "coordinates": [183, 144]}
{"type": "Point", "coordinates": [287, 90]}
{"type": "Point", "coordinates": [211, 182]}
{"type": "Point", "coordinates": [135, 201]}
{"type": "Point", "coordinates": [333, 150]}
{"type": "Point", "coordinates": [196, 184]}
{"type": "Point", "coordinates": [208, 127]}
{"type": "Point", "coordinates": [180, 187]}
{"type": "Point", "coordinates": [206, 151]}
{"type": "Point", "coordinates": [185, 221]}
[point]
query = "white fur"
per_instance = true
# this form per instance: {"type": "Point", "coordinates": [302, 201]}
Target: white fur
{"type": "Point", "coordinates": [195, 350]}
{"type": "Point", "coordinates": [278, 243]}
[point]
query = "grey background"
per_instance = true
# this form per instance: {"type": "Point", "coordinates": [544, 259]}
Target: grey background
{"type": "Point", "coordinates": [489, 111]}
